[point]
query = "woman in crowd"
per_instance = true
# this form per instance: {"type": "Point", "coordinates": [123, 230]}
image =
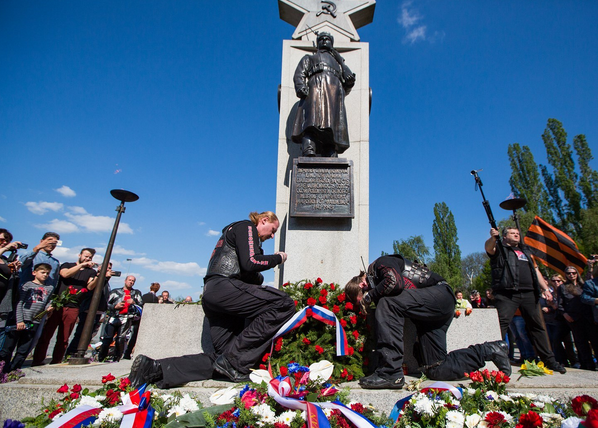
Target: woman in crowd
{"type": "Point", "coordinates": [558, 328]}
{"type": "Point", "coordinates": [579, 317]}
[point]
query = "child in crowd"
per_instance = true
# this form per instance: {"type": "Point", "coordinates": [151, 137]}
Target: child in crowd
{"type": "Point", "coordinates": [34, 299]}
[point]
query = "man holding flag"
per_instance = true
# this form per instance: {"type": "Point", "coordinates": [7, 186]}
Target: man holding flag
{"type": "Point", "coordinates": [517, 284]}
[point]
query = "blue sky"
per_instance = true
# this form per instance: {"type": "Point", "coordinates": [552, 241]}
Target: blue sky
{"type": "Point", "coordinates": [176, 101]}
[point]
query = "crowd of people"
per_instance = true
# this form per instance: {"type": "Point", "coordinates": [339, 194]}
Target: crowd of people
{"type": "Point", "coordinates": [41, 298]}
{"type": "Point", "coordinates": [538, 315]}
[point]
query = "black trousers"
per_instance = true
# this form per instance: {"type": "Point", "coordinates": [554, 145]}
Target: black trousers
{"type": "Point", "coordinates": [243, 318]}
{"type": "Point", "coordinates": [21, 340]}
{"type": "Point", "coordinates": [431, 309]}
{"type": "Point", "coordinates": [72, 349]}
{"type": "Point", "coordinates": [507, 303]}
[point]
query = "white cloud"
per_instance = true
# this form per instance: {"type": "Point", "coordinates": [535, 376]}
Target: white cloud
{"type": "Point", "coordinates": [41, 208]}
{"type": "Point", "coordinates": [2, 219]}
{"type": "Point", "coordinates": [66, 191]}
{"type": "Point", "coordinates": [212, 233]}
{"type": "Point", "coordinates": [65, 254]}
{"type": "Point", "coordinates": [95, 223]}
{"type": "Point", "coordinates": [59, 226]}
{"type": "Point", "coordinates": [201, 223]}
{"type": "Point", "coordinates": [186, 269]}
{"type": "Point", "coordinates": [174, 285]}
{"type": "Point", "coordinates": [410, 19]}
{"type": "Point", "coordinates": [122, 251]}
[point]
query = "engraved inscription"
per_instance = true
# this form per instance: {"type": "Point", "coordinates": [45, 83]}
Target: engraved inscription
{"type": "Point", "coordinates": [323, 189]}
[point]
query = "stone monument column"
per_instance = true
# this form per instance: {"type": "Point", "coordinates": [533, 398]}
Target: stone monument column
{"type": "Point", "coordinates": [323, 202]}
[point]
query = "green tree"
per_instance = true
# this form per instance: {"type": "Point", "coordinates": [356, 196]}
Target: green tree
{"type": "Point", "coordinates": [447, 258]}
{"type": "Point", "coordinates": [560, 157]}
{"type": "Point", "coordinates": [588, 181]}
{"type": "Point", "coordinates": [526, 182]}
{"type": "Point", "coordinates": [412, 248]}
{"type": "Point", "coordinates": [484, 280]}
{"type": "Point", "coordinates": [471, 268]}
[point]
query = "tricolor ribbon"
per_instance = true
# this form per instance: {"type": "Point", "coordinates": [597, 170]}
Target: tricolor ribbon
{"type": "Point", "coordinates": [136, 410]}
{"type": "Point", "coordinates": [278, 389]}
{"type": "Point", "coordinates": [138, 413]}
{"type": "Point", "coordinates": [80, 416]}
{"type": "Point", "coordinates": [436, 386]}
{"type": "Point", "coordinates": [324, 315]}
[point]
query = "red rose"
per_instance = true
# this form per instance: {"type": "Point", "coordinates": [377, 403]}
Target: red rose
{"type": "Point", "coordinates": [306, 341]}
{"type": "Point", "coordinates": [353, 319]}
{"type": "Point", "coordinates": [124, 382]}
{"type": "Point", "coordinates": [74, 396]}
{"type": "Point", "coordinates": [494, 418]}
{"type": "Point", "coordinates": [322, 299]}
{"type": "Point", "coordinates": [360, 349]}
{"type": "Point", "coordinates": [336, 309]}
{"type": "Point", "coordinates": [349, 306]}
{"type": "Point", "coordinates": [72, 290]}
{"type": "Point", "coordinates": [342, 297]}
{"type": "Point", "coordinates": [582, 404]}
{"type": "Point", "coordinates": [262, 366]}
{"type": "Point", "coordinates": [324, 292]}
{"type": "Point", "coordinates": [355, 334]}
{"type": "Point", "coordinates": [357, 407]}
{"type": "Point", "coordinates": [343, 323]}
{"type": "Point", "coordinates": [108, 378]}
{"type": "Point", "coordinates": [592, 419]}
{"type": "Point", "coordinates": [311, 301]}
{"type": "Point", "coordinates": [319, 280]}
{"type": "Point", "coordinates": [83, 290]}
{"type": "Point", "coordinates": [529, 420]}
{"type": "Point", "coordinates": [344, 373]}
{"type": "Point", "coordinates": [76, 388]}
{"type": "Point", "coordinates": [309, 313]}
{"type": "Point", "coordinates": [64, 388]}
{"type": "Point", "coordinates": [308, 285]}
{"type": "Point", "coordinates": [265, 357]}
{"type": "Point", "coordinates": [278, 345]}
{"type": "Point", "coordinates": [319, 349]}
{"type": "Point", "coordinates": [285, 284]}
{"type": "Point", "coordinates": [284, 371]}
{"type": "Point", "coordinates": [332, 287]}
{"type": "Point", "coordinates": [296, 302]}
{"type": "Point", "coordinates": [350, 351]}
{"type": "Point", "coordinates": [350, 377]}
{"type": "Point", "coordinates": [325, 306]}
{"type": "Point", "coordinates": [54, 413]}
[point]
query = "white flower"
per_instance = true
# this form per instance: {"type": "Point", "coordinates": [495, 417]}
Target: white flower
{"type": "Point", "coordinates": [472, 420]}
{"type": "Point", "coordinates": [109, 415]}
{"type": "Point", "coordinates": [455, 419]}
{"type": "Point", "coordinates": [327, 412]}
{"type": "Point", "coordinates": [167, 398]}
{"type": "Point", "coordinates": [424, 406]}
{"type": "Point", "coordinates": [265, 413]}
{"type": "Point", "coordinates": [90, 401]}
{"type": "Point", "coordinates": [177, 411]}
{"type": "Point", "coordinates": [572, 422]}
{"type": "Point", "coordinates": [188, 403]}
{"type": "Point", "coordinates": [492, 395]}
{"type": "Point", "coordinates": [471, 391]}
{"type": "Point", "coordinates": [544, 399]}
{"type": "Point", "coordinates": [548, 417]}
{"type": "Point", "coordinates": [539, 404]}
{"type": "Point", "coordinates": [286, 417]}
{"type": "Point", "coordinates": [259, 376]}
{"type": "Point", "coordinates": [505, 397]}
{"type": "Point", "coordinates": [321, 371]}
{"type": "Point", "coordinates": [530, 395]}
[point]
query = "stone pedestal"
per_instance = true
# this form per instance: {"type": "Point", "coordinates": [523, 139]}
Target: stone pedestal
{"type": "Point", "coordinates": [328, 247]}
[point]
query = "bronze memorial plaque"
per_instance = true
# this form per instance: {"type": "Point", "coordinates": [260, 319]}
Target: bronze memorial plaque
{"type": "Point", "coordinates": [322, 187]}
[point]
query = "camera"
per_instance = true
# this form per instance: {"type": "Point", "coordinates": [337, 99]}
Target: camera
{"type": "Point", "coordinates": [22, 246]}
{"type": "Point", "coordinates": [116, 273]}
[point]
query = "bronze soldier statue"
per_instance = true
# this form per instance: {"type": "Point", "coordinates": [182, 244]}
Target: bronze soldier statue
{"type": "Point", "coordinates": [321, 81]}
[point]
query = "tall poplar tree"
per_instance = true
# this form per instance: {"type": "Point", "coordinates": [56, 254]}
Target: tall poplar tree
{"type": "Point", "coordinates": [412, 248]}
{"type": "Point", "coordinates": [447, 261]}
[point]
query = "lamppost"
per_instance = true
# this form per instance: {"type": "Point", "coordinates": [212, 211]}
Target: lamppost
{"type": "Point", "coordinates": [79, 358]}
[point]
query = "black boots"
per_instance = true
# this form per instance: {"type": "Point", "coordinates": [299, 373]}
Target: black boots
{"type": "Point", "coordinates": [498, 353]}
{"type": "Point", "coordinates": [145, 370]}
{"type": "Point", "coordinates": [222, 366]}
{"type": "Point", "coordinates": [374, 381]}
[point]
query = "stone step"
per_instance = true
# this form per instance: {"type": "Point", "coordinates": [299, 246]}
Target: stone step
{"type": "Point", "coordinates": [23, 398]}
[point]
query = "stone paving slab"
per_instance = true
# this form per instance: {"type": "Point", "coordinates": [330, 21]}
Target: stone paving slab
{"type": "Point", "coordinates": [23, 398]}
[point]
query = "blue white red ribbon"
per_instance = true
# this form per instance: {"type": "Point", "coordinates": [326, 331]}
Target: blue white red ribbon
{"type": "Point", "coordinates": [80, 416]}
{"type": "Point", "coordinates": [436, 386]}
{"type": "Point", "coordinates": [321, 314]}
{"type": "Point", "coordinates": [278, 389]}
{"type": "Point", "coordinates": [137, 411]}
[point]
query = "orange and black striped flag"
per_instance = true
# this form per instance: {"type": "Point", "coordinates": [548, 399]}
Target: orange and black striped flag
{"type": "Point", "coordinates": [552, 247]}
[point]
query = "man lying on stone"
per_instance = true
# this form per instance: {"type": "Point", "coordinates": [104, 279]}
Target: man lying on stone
{"type": "Point", "coordinates": [243, 314]}
{"type": "Point", "coordinates": [404, 289]}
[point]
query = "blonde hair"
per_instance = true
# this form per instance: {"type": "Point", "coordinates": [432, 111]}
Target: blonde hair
{"type": "Point", "coordinates": [352, 289]}
{"type": "Point", "coordinates": [255, 217]}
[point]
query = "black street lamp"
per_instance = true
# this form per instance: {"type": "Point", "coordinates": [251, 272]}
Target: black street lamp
{"type": "Point", "coordinates": [79, 358]}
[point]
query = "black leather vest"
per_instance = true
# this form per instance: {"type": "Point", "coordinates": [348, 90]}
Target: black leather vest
{"type": "Point", "coordinates": [224, 261]}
